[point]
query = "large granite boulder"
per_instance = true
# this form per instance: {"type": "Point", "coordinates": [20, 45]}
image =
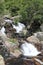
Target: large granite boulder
{"type": "Point", "coordinates": [33, 39]}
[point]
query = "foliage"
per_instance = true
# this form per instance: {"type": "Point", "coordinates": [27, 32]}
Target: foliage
{"type": "Point", "coordinates": [29, 9]}
{"type": "Point", "coordinates": [1, 7]}
{"type": "Point", "coordinates": [32, 10]}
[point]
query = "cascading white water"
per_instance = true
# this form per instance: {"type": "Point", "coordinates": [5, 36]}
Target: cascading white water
{"type": "Point", "coordinates": [9, 21]}
{"type": "Point", "coordinates": [19, 27]}
{"type": "Point", "coordinates": [29, 49]}
{"type": "Point", "coordinates": [3, 30]}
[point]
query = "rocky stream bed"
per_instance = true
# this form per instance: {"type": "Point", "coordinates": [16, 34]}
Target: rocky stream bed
{"type": "Point", "coordinates": [20, 45]}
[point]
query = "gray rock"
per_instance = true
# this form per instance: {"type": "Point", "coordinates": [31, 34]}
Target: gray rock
{"type": "Point", "coordinates": [39, 35]}
{"type": "Point", "coordinates": [33, 39]}
{"type": "Point", "coordinates": [41, 27]}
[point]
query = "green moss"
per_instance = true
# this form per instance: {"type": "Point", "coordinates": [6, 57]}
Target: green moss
{"type": "Point", "coordinates": [14, 41]}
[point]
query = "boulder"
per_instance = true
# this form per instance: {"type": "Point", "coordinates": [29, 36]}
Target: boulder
{"type": "Point", "coordinates": [9, 30]}
{"type": "Point", "coordinates": [39, 35]}
{"type": "Point", "coordinates": [41, 27]}
{"type": "Point", "coordinates": [33, 39]}
{"type": "Point", "coordinates": [2, 60]}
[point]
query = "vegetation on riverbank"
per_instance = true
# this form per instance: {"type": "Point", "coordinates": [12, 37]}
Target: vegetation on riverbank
{"type": "Point", "coordinates": [29, 9]}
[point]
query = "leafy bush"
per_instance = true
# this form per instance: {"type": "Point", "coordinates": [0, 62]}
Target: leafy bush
{"type": "Point", "coordinates": [1, 8]}
{"type": "Point", "coordinates": [29, 9]}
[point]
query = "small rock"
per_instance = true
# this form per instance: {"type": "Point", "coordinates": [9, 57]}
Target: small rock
{"type": "Point", "coordinates": [2, 60]}
{"type": "Point", "coordinates": [16, 53]}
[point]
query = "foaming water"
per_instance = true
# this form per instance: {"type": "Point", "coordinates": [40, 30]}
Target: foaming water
{"type": "Point", "coordinates": [19, 27]}
{"type": "Point", "coordinates": [29, 49]}
{"type": "Point", "coordinates": [7, 20]}
{"type": "Point", "coordinates": [3, 30]}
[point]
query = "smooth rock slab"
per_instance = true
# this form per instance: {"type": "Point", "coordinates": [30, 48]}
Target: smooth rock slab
{"type": "Point", "coordinates": [33, 39]}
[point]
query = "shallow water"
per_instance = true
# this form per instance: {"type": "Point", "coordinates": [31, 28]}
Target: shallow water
{"type": "Point", "coordinates": [3, 30]}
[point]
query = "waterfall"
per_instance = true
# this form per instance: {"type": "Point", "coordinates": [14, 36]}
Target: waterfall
{"type": "Point", "coordinates": [8, 20]}
{"type": "Point", "coordinates": [19, 27]}
{"type": "Point", "coordinates": [29, 49]}
{"type": "Point", "coordinates": [3, 30]}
